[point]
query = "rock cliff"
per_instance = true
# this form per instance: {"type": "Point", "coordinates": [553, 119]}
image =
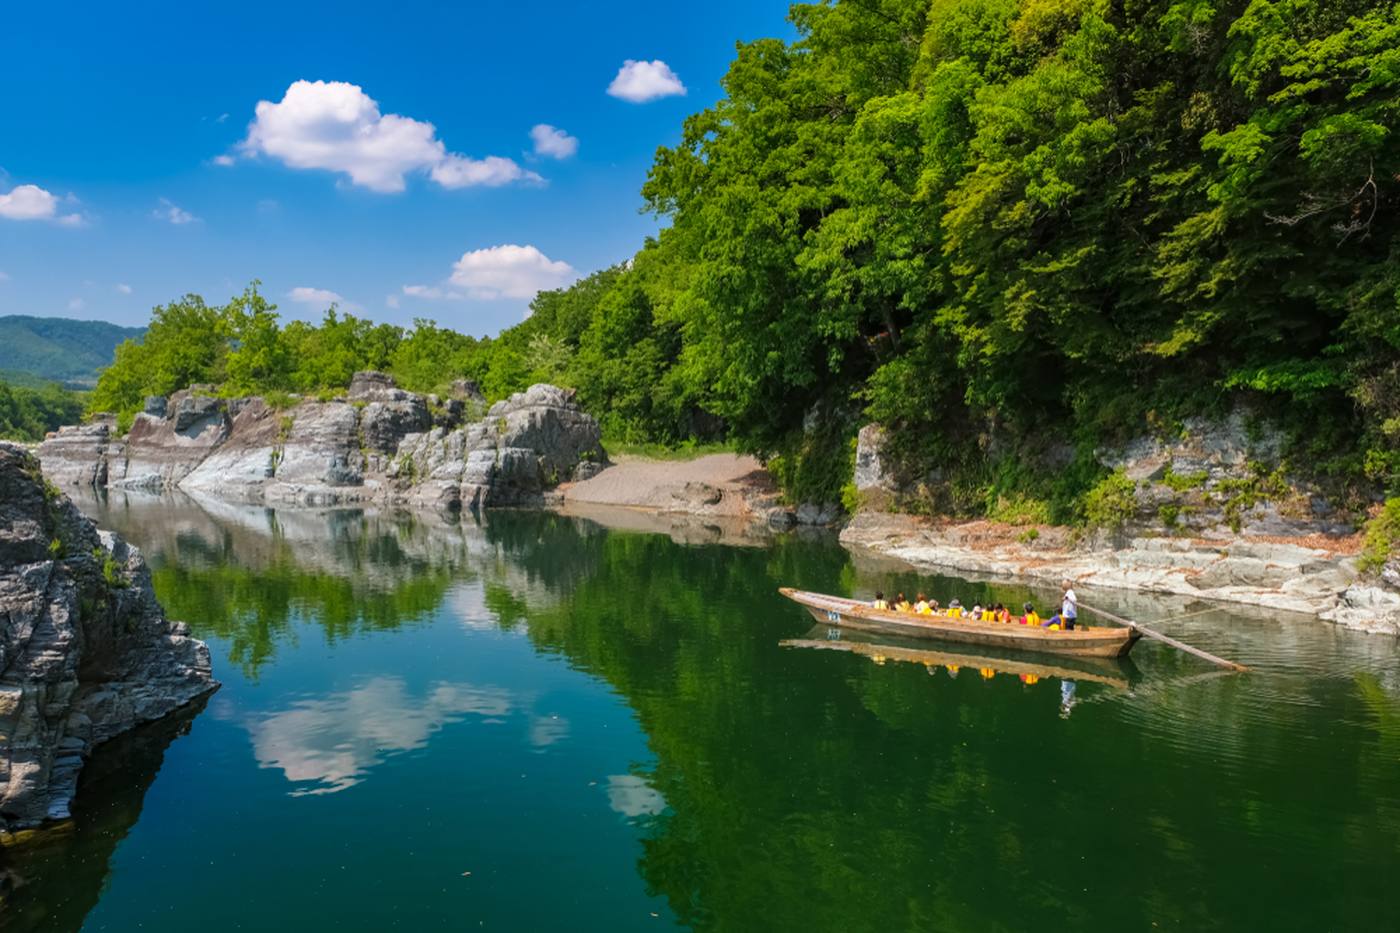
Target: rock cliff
{"type": "Point", "coordinates": [1215, 478]}
{"type": "Point", "coordinates": [377, 443]}
{"type": "Point", "coordinates": [86, 652]}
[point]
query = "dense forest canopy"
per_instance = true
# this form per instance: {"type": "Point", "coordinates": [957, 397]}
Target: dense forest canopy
{"type": "Point", "coordinates": [1003, 228]}
{"type": "Point", "coordinates": [27, 413]}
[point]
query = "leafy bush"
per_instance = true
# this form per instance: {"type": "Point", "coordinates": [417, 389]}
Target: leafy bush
{"type": "Point", "coordinates": [1382, 537]}
{"type": "Point", "coordinates": [1111, 503]}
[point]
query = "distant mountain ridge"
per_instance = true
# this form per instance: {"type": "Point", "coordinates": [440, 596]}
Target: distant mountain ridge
{"type": "Point", "coordinates": [58, 349]}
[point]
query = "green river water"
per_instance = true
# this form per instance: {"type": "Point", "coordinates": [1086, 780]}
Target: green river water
{"type": "Point", "coordinates": [531, 722]}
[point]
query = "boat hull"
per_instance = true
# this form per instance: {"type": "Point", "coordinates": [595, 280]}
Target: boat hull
{"type": "Point", "coordinates": [849, 613]}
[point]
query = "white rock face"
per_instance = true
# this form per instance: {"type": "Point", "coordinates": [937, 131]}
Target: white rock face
{"type": "Point", "coordinates": [379, 443]}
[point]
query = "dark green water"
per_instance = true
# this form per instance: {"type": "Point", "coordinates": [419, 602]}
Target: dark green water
{"type": "Point", "coordinates": [535, 723]}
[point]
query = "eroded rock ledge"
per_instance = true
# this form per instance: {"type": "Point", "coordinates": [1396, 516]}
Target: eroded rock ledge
{"type": "Point", "coordinates": [86, 652]}
{"type": "Point", "coordinates": [377, 443]}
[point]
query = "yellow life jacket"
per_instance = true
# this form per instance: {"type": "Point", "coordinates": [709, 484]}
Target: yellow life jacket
{"type": "Point", "coordinates": [955, 612]}
{"type": "Point", "coordinates": [988, 615]}
{"type": "Point", "coordinates": [988, 673]}
{"type": "Point", "coordinates": [882, 604]}
{"type": "Point", "coordinates": [926, 611]}
{"type": "Point", "coordinates": [1032, 618]}
{"type": "Point", "coordinates": [902, 606]}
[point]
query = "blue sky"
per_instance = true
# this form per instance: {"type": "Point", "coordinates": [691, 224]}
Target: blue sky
{"type": "Point", "coordinates": [116, 118]}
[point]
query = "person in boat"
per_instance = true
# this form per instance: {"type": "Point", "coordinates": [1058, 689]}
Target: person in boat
{"type": "Point", "coordinates": [880, 601]}
{"type": "Point", "coordinates": [1069, 610]}
{"type": "Point", "coordinates": [976, 614]}
{"type": "Point", "coordinates": [921, 605]}
{"type": "Point", "coordinates": [1002, 613]}
{"type": "Point", "coordinates": [933, 608]}
{"type": "Point", "coordinates": [989, 614]}
{"type": "Point", "coordinates": [1031, 617]}
{"type": "Point", "coordinates": [955, 609]}
{"type": "Point", "coordinates": [901, 604]}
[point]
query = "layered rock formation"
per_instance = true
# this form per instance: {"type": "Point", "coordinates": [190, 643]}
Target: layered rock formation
{"type": "Point", "coordinates": [377, 443]}
{"type": "Point", "coordinates": [86, 652]}
{"type": "Point", "coordinates": [525, 445]}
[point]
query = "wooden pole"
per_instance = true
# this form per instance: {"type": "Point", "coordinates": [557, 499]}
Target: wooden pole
{"type": "Point", "coordinates": [1179, 645]}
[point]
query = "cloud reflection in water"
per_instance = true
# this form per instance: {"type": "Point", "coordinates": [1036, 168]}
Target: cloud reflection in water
{"type": "Point", "coordinates": [633, 796]}
{"type": "Point", "coordinates": [335, 740]}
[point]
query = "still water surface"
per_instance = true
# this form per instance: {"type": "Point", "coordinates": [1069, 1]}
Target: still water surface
{"type": "Point", "coordinates": [535, 723]}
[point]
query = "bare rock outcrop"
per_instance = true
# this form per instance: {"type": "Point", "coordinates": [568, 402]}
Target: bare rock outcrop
{"type": "Point", "coordinates": [86, 652]}
{"type": "Point", "coordinates": [77, 455]}
{"type": "Point", "coordinates": [524, 446]}
{"type": "Point", "coordinates": [377, 443]}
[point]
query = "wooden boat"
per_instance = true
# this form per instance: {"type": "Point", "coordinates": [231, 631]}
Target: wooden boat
{"type": "Point", "coordinates": [1084, 641]}
{"type": "Point", "coordinates": [1110, 672]}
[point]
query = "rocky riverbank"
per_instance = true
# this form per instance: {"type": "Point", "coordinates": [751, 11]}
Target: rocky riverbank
{"type": "Point", "coordinates": [1304, 576]}
{"type": "Point", "coordinates": [86, 652]}
{"type": "Point", "coordinates": [377, 443]}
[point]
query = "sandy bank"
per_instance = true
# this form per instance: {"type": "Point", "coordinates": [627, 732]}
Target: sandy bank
{"type": "Point", "coordinates": [719, 485]}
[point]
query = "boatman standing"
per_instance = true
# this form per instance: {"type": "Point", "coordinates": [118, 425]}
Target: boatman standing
{"type": "Point", "coordinates": [1069, 610]}
{"type": "Point", "coordinates": [1069, 605]}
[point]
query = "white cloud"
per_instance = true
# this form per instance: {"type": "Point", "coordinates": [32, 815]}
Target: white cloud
{"type": "Point", "coordinates": [306, 295]}
{"type": "Point", "coordinates": [30, 202]}
{"type": "Point", "coordinates": [224, 160]}
{"type": "Point", "coordinates": [222, 118]}
{"type": "Point", "coordinates": [336, 126]}
{"type": "Point", "coordinates": [391, 301]}
{"type": "Point", "coordinates": [4, 276]}
{"type": "Point", "coordinates": [169, 211]}
{"type": "Point", "coordinates": [431, 293]}
{"type": "Point", "coordinates": [123, 288]}
{"type": "Point", "coordinates": [456, 171]}
{"type": "Point", "coordinates": [640, 82]}
{"type": "Point", "coordinates": [553, 142]}
{"type": "Point", "coordinates": [76, 304]}
{"type": "Point", "coordinates": [509, 271]}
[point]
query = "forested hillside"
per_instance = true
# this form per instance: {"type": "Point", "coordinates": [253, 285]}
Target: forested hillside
{"type": "Point", "coordinates": [998, 227]}
{"type": "Point", "coordinates": [57, 349]}
{"type": "Point", "coordinates": [27, 413]}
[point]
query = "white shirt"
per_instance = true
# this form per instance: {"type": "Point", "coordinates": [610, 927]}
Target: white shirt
{"type": "Point", "coordinates": [1070, 609]}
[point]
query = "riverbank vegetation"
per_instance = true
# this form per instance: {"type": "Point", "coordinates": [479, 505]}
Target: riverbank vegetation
{"type": "Point", "coordinates": [1003, 228]}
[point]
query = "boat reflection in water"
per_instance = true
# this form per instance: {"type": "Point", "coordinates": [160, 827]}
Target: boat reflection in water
{"type": "Point", "coordinates": [1118, 673]}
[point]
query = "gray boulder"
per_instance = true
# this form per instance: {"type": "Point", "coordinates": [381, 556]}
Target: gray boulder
{"type": "Point", "coordinates": [871, 472]}
{"type": "Point", "coordinates": [86, 651]}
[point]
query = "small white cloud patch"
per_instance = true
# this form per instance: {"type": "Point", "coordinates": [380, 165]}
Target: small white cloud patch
{"type": "Point", "coordinates": [552, 142]}
{"type": "Point", "coordinates": [304, 294]}
{"type": "Point", "coordinates": [123, 288]}
{"type": "Point", "coordinates": [509, 271]}
{"type": "Point", "coordinates": [76, 304]}
{"type": "Point", "coordinates": [640, 82]}
{"type": "Point", "coordinates": [173, 213]}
